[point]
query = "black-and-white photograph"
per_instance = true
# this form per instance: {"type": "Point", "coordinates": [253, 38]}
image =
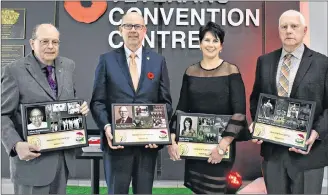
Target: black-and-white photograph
{"type": "Point", "coordinates": [59, 107]}
{"type": "Point", "coordinates": [141, 111]}
{"type": "Point", "coordinates": [143, 122]}
{"type": "Point", "coordinates": [302, 125]}
{"type": "Point", "coordinates": [159, 123]}
{"type": "Point", "coordinates": [54, 127]}
{"type": "Point", "coordinates": [305, 112]}
{"type": "Point", "coordinates": [188, 126]}
{"type": "Point", "coordinates": [267, 108]}
{"type": "Point", "coordinates": [293, 110]}
{"type": "Point", "coordinates": [73, 108]}
{"type": "Point", "coordinates": [36, 118]}
{"type": "Point", "coordinates": [206, 121]}
{"type": "Point", "coordinates": [72, 123]}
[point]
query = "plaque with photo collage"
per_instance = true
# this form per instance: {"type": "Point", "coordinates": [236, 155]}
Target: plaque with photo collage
{"type": "Point", "coordinates": [284, 121]}
{"type": "Point", "coordinates": [140, 124]}
{"type": "Point", "coordinates": [54, 125]}
{"type": "Point", "coordinates": [198, 134]}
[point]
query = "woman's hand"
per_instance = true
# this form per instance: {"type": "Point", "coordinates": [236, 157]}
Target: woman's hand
{"type": "Point", "coordinates": [215, 157]}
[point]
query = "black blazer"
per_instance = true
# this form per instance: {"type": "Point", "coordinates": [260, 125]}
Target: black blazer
{"type": "Point", "coordinates": [311, 83]}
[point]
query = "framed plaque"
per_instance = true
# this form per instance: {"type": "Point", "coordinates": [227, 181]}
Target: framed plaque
{"type": "Point", "coordinates": [140, 124]}
{"type": "Point", "coordinates": [198, 134]}
{"type": "Point", "coordinates": [13, 23]}
{"type": "Point", "coordinates": [11, 53]}
{"type": "Point", "coordinates": [54, 125]}
{"type": "Point", "coordinates": [284, 121]}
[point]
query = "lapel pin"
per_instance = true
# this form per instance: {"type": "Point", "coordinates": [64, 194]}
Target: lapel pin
{"type": "Point", "coordinates": [148, 58]}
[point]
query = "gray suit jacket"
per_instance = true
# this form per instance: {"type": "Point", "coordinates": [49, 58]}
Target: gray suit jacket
{"type": "Point", "coordinates": [24, 82]}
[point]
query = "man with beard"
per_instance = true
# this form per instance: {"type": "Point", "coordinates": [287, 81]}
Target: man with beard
{"type": "Point", "coordinates": [130, 74]}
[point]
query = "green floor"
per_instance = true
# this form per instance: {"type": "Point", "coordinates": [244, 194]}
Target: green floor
{"type": "Point", "coordinates": [103, 190]}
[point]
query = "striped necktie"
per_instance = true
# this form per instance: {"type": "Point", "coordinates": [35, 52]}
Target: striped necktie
{"type": "Point", "coordinates": [283, 84]}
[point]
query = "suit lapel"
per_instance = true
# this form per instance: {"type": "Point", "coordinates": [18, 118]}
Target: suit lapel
{"type": "Point", "coordinates": [303, 68]}
{"type": "Point", "coordinates": [273, 71]}
{"type": "Point", "coordinates": [34, 69]}
{"type": "Point", "coordinates": [59, 75]}
{"type": "Point", "coordinates": [144, 64]}
{"type": "Point", "coordinates": [121, 59]}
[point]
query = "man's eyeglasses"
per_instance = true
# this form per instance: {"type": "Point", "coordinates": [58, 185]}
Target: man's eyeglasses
{"type": "Point", "coordinates": [46, 42]}
{"type": "Point", "coordinates": [135, 26]}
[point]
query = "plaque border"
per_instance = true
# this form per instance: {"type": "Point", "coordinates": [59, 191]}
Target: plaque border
{"type": "Point", "coordinates": [24, 34]}
{"type": "Point", "coordinates": [179, 114]}
{"type": "Point", "coordinates": [24, 122]}
{"type": "Point", "coordinates": [139, 143]}
{"type": "Point", "coordinates": [13, 45]}
{"type": "Point", "coordinates": [309, 127]}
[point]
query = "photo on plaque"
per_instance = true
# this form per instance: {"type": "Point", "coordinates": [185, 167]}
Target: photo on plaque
{"type": "Point", "coordinates": [140, 124]}
{"type": "Point", "coordinates": [54, 125]}
{"type": "Point", "coordinates": [283, 121]}
{"type": "Point", "coordinates": [198, 134]}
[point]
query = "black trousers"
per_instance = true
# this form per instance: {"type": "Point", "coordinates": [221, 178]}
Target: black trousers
{"type": "Point", "coordinates": [139, 165]}
{"type": "Point", "coordinates": [280, 175]}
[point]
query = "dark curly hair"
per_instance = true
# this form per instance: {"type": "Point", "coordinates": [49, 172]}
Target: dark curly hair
{"type": "Point", "coordinates": [213, 28]}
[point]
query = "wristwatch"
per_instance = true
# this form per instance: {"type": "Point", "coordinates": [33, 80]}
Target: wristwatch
{"type": "Point", "coordinates": [221, 152]}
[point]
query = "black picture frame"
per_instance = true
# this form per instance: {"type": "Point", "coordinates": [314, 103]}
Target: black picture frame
{"type": "Point", "coordinates": [51, 123]}
{"type": "Point", "coordinates": [283, 117]}
{"type": "Point", "coordinates": [203, 142]}
{"type": "Point", "coordinates": [142, 119]}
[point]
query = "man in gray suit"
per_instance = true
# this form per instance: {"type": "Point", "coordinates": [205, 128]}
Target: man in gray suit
{"type": "Point", "coordinates": [41, 76]}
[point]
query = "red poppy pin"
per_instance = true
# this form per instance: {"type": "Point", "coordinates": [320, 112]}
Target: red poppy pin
{"type": "Point", "coordinates": [150, 75]}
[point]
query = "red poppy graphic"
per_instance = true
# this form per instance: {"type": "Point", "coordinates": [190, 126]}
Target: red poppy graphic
{"type": "Point", "coordinates": [150, 75]}
{"type": "Point", "coordinates": [301, 135]}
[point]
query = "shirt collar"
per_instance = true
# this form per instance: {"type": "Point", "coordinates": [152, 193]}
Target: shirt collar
{"type": "Point", "coordinates": [297, 53]}
{"type": "Point", "coordinates": [128, 52]}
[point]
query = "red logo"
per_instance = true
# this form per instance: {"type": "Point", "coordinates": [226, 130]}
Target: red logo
{"type": "Point", "coordinates": [150, 75]}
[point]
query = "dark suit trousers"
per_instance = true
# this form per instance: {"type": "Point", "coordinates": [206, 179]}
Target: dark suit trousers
{"type": "Point", "coordinates": [138, 166]}
{"type": "Point", "coordinates": [280, 175]}
{"type": "Point", "coordinates": [57, 186]}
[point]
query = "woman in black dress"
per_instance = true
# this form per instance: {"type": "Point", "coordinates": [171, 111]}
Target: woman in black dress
{"type": "Point", "coordinates": [211, 86]}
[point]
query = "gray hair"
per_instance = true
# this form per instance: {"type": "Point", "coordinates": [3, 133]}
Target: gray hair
{"type": "Point", "coordinates": [293, 13]}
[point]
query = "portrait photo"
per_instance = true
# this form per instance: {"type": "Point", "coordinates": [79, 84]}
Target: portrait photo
{"type": "Point", "coordinates": [123, 114]}
{"type": "Point", "coordinates": [36, 118]}
{"type": "Point", "coordinates": [188, 126]}
{"type": "Point", "coordinates": [141, 111]}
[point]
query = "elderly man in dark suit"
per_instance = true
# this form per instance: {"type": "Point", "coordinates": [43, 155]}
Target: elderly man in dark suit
{"type": "Point", "coordinates": [130, 74]}
{"type": "Point", "coordinates": [41, 76]}
{"type": "Point", "coordinates": [298, 72]}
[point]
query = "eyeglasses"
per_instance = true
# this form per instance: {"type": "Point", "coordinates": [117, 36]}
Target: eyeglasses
{"type": "Point", "coordinates": [36, 117]}
{"type": "Point", "coordinates": [45, 42]}
{"type": "Point", "coordinates": [135, 26]}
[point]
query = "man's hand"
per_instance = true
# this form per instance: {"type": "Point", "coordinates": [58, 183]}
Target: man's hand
{"type": "Point", "coordinates": [174, 151]}
{"type": "Point", "coordinates": [25, 150]}
{"type": "Point", "coordinates": [110, 137]}
{"type": "Point", "coordinates": [314, 135]}
{"type": "Point", "coordinates": [84, 109]}
{"type": "Point", "coordinates": [257, 141]}
{"type": "Point", "coordinates": [151, 146]}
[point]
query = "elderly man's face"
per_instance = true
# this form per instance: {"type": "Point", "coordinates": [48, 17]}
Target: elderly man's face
{"type": "Point", "coordinates": [291, 30]}
{"type": "Point", "coordinates": [133, 35]}
{"type": "Point", "coordinates": [46, 44]}
{"type": "Point", "coordinates": [36, 117]}
{"type": "Point", "coordinates": [123, 112]}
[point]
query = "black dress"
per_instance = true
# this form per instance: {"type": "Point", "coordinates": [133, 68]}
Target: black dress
{"type": "Point", "coordinates": [218, 91]}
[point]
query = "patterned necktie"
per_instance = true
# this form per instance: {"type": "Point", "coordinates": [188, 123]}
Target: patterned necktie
{"type": "Point", "coordinates": [51, 80]}
{"type": "Point", "coordinates": [283, 85]}
{"type": "Point", "coordinates": [134, 71]}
